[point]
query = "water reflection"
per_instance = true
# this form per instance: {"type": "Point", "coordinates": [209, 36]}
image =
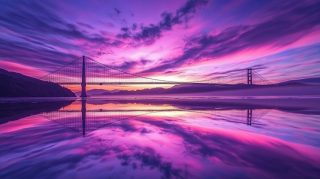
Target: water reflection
{"type": "Point", "coordinates": [100, 113]}
{"type": "Point", "coordinates": [107, 139]}
{"type": "Point", "coordinates": [14, 110]}
{"type": "Point", "coordinates": [83, 115]}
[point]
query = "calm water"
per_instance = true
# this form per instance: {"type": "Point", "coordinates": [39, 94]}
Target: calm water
{"type": "Point", "coordinates": [110, 139]}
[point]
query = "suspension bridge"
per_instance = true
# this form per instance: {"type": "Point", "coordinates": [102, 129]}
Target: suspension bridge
{"type": "Point", "coordinates": [87, 71]}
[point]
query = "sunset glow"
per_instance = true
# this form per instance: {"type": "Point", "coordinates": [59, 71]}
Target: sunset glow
{"type": "Point", "coordinates": [170, 89]}
{"type": "Point", "coordinates": [181, 40]}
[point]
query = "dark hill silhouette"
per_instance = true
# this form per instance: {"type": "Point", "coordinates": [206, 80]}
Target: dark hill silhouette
{"type": "Point", "coordinates": [18, 85]}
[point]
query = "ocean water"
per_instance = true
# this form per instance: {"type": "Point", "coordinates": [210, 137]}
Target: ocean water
{"type": "Point", "coordinates": [102, 138]}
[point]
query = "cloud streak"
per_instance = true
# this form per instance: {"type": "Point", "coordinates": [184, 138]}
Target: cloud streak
{"type": "Point", "coordinates": [220, 36]}
{"type": "Point", "coordinates": [279, 30]}
{"type": "Point", "coordinates": [36, 35]}
{"type": "Point", "coordinates": [148, 34]}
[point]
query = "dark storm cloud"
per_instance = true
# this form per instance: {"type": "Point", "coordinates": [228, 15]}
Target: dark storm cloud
{"type": "Point", "coordinates": [148, 34]}
{"type": "Point", "coordinates": [280, 30]}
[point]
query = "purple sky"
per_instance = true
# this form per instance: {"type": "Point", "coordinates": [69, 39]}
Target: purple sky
{"type": "Point", "coordinates": [165, 39]}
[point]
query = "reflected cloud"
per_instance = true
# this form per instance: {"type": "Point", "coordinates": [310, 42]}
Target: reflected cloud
{"type": "Point", "coordinates": [201, 142]}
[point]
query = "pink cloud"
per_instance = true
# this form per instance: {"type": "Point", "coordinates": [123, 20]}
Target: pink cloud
{"type": "Point", "coordinates": [23, 69]}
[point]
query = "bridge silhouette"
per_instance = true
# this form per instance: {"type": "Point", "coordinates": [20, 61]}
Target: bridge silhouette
{"type": "Point", "coordinates": [94, 119]}
{"type": "Point", "coordinates": [87, 71]}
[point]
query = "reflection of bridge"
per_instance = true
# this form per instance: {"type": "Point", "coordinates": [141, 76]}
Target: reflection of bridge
{"type": "Point", "coordinates": [85, 120]}
{"type": "Point", "coordinates": [95, 73]}
{"type": "Point", "coordinates": [90, 120]}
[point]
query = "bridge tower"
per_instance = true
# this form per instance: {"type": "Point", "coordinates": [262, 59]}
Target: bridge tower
{"type": "Point", "coordinates": [83, 81]}
{"type": "Point", "coordinates": [84, 115]}
{"type": "Point", "coordinates": [249, 76]}
{"type": "Point", "coordinates": [249, 117]}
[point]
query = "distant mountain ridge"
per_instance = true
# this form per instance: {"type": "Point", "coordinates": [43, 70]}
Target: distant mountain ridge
{"type": "Point", "coordinates": [190, 88]}
{"type": "Point", "coordinates": [17, 85]}
{"type": "Point", "coordinates": [307, 81]}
